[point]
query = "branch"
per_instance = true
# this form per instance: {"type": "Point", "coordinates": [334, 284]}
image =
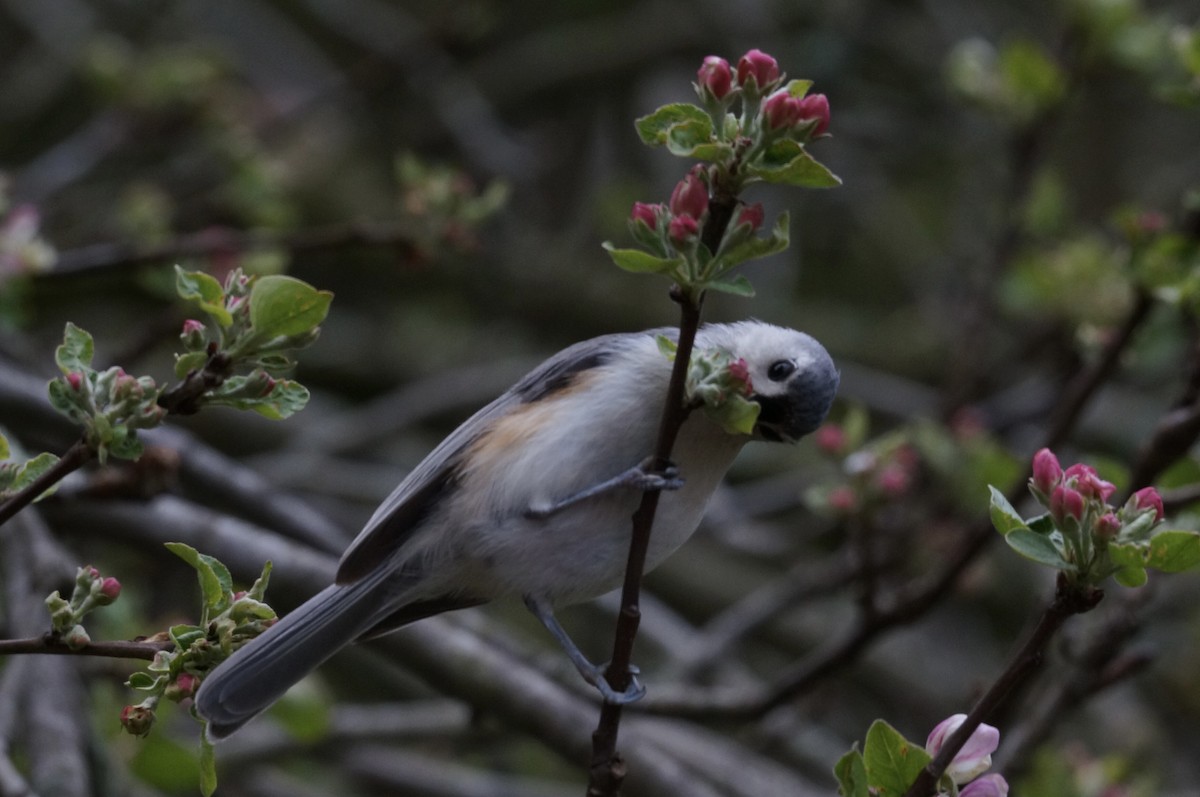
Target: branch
{"type": "Point", "coordinates": [133, 649]}
{"type": "Point", "coordinates": [1069, 599]}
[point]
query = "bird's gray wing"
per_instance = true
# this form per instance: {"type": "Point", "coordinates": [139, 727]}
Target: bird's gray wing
{"type": "Point", "coordinates": [436, 477]}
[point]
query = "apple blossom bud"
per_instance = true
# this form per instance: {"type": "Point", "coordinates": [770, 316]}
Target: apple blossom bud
{"type": "Point", "coordinates": [830, 438]}
{"type": "Point", "coordinates": [75, 380]}
{"type": "Point", "coordinates": [1047, 473]}
{"type": "Point", "coordinates": [106, 591]}
{"type": "Point", "coordinates": [893, 480]}
{"type": "Point", "coordinates": [137, 720]}
{"type": "Point", "coordinates": [990, 785]}
{"type": "Point", "coordinates": [683, 229]}
{"type": "Point", "coordinates": [741, 374]}
{"type": "Point", "coordinates": [1088, 482]}
{"type": "Point", "coordinates": [1066, 503]}
{"type": "Point", "coordinates": [1148, 498]}
{"type": "Point", "coordinates": [780, 111]}
{"type": "Point", "coordinates": [690, 197]}
{"type": "Point", "coordinates": [815, 106]}
{"type": "Point", "coordinates": [715, 77]}
{"type": "Point", "coordinates": [1108, 526]}
{"type": "Point", "coordinates": [975, 756]}
{"type": "Point", "coordinates": [184, 686]}
{"type": "Point", "coordinates": [759, 67]}
{"type": "Point", "coordinates": [193, 335]}
{"type": "Point", "coordinates": [751, 216]}
{"type": "Point", "coordinates": [77, 638]}
{"type": "Point", "coordinates": [646, 214]}
{"type": "Point", "coordinates": [843, 499]}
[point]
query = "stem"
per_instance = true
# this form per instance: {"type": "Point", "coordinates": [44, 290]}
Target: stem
{"type": "Point", "coordinates": [1069, 599]}
{"type": "Point", "coordinates": [114, 650]}
{"type": "Point", "coordinates": [72, 460]}
{"type": "Point", "coordinates": [607, 770]}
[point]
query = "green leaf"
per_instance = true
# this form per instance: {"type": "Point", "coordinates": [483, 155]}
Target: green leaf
{"type": "Point", "coordinates": [736, 415]}
{"type": "Point", "coordinates": [1130, 576]}
{"type": "Point", "coordinates": [76, 351]}
{"type": "Point", "coordinates": [694, 139]}
{"type": "Point", "coordinates": [143, 681]}
{"type": "Point", "coordinates": [285, 306]}
{"type": "Point", "coordinates": [192, 361]}
{"type": "Point", "coordinates": [196, 286]}
{"type": "Point", "coordinates": [216, 585]}
{"type": "Point", "coordinates": [851, 774]}
{"type": "Point", "coordinates": [184, 635]}
{"type": "Point", "coordinates": [798, 88]}
{"type": "Point", "coordinates": [753, 247]}
{"type": "Point", "coordinates": [892, 762]}
{"type": "Point", "coordinates": [655, 128]}
{"type": "Point", "coordinates": [1174, 551]}
{"type": "Point", "coordinates": [1004, 516]}
{"type": "Point", "coordinates": [5, 451]}
{"type": "Point", "coordinates": [124, 443]}
{"type": "Point", "coordinates": [259, 590]}
{"type": "Point", "coordinates": [25, 474]}
{"type": "Point", "coordinates": [787, 162]}
{"type": "Point", "coordinates": [666, 346]}
{"type": "Point", "coordinates": [1036, 547]}
{"type": "Point", "coordinates": [738, 285]}
{"type": "Point", "coordinates": [285, 400]}
{"type": "Point", "coordinates": [639, 262]}
{"type": "Point", "coordinates": [208, 766]}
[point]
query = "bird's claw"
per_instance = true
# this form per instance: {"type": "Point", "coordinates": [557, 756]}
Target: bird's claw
{"type": "Point", "coordinates": [643, 477]}
{"type": "Point", "coordinates": [633, 693]}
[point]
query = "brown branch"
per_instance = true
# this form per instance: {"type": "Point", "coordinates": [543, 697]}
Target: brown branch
{"type": "Point", "coordinates": [51, 645]}
{"type": "Point", "coordinates": [606, 771]}
{"type": "Point", "coordinates": [1069, 599]}
{"type": "Point", "coordinates": [74, 458]}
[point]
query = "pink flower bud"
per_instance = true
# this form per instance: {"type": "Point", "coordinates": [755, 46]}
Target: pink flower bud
{"type": "Point", "coordinates": [893, 480]}
{"type": "Point", "coordinates": [715, 77]}
{"type": "Point", "coordinates": [815, 106]}
{"type": "Point", "coordinates": [751, 216]}
{"type": "Point", "coordinates": [1047, 473]}
{"type": "Point", "coordinates": [830, 438]}
{"type": "Point", "coordinates": [1108, 526]}
{"type": "Point", "coordinates": [1088, 482]}
{"type": "Point", "coordinates": [108, 590]}
{"type": "Point", "coordinates": [183, 687]}
{"type": "Point", "coordinates": [690, 197]}
{"type": "Point", "coordinates": [780, 111]}
{"type": "Point", "coordinates": [192, 326]}
{"type": "Point", "coordinates": [741, 373]}
{"type": "Point", "coordinates": [1065, 503]}
{"type": "Point", "coordinates": [990, 785]}
{"type": "Point", "coordinates": [77, 638]}
{"type": "Point", "coordinates": [975, 756]}
{"type": "Point", "coordinates": [760, 67]}
{"type": "Point", "coordinates": [1148, 498]}
{"type": "Point", "coordinates": [683, 229]}
{"type": "Point", "coordinates": [137, 720]}
{"type": "Point", "coordinates": [646, 214]}
{"type": "Point", "coordinates": [75, 380]}
{"type": "Point", "coordinates": [843, 499]}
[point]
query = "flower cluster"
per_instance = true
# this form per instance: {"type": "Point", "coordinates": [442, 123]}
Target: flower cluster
{"type": "Point", "coordinates": [874, 475]}
{"type": "Point", "coordinates": [969, 763]}
{"type": "Point", "coordinates": [22, 249]}
{"type": "Point", "coordinates": [91, 590]}
{"type": "Point", "coordinates": [764, 142]}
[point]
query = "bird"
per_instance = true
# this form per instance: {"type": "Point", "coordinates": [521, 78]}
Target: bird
{"type": "Point", "coordinates": [532, 497]}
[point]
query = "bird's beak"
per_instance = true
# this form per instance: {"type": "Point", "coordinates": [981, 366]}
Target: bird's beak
{"type": "Point", "coordinates": [787, 417]}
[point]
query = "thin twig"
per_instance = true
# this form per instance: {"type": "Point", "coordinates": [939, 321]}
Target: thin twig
{"type": "Point", "coordinates": [132, 649]}
{"type": "Point", "coordinates": [1069, 599]}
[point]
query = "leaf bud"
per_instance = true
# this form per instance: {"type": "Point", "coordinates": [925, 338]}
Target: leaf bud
{"type": "Point", "coordinates": [715, 78]}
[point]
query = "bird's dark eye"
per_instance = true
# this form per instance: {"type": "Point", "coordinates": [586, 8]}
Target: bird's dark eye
{"type": "Point", "coordinates": [780, 370]}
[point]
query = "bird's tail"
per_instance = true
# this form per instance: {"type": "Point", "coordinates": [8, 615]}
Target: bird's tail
{"type": "Point", "coordinates": [258, 674]}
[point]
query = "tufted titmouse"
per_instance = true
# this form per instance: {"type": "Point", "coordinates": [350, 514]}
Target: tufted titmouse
{"type": "Point", "coordinates": [532, 496]}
